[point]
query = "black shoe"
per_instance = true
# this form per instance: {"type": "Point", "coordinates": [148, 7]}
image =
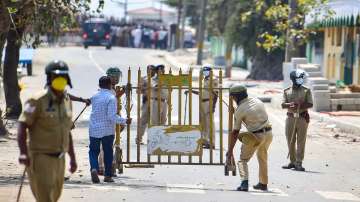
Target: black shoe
{"type": "Point", "coordinates": [289, 166]}
{"type": "Point", "coordinates": [207, 146]}
{"type": "Point", "coordinates": [244, 186]}
{"type": "Point", "coordinates": [262, 187]}
{"type": "Point", "coordinates": [108, 179]}
{"type": "Point", "coordinates": [299, 167]}
{"type": "Point", "coordinates": [94, 177]}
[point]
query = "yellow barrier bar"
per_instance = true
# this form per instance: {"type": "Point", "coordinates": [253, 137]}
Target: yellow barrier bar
{"type": "Point", "coordinates": [179, 103]}
{"type": "Point", "coordinates": [201, 119]}
{"type": "Point", "coordinates": [190, 104]}
{"type": "Point", "coordinates": [149, 105]}
{"type": "Point", "coordinates": [231, 111]}
{"type": "Point", "coordinates": [159, 104]}
{"type": "Point", "coordinates": [128, 116]}
{"type": "Point", "coordinates": [159, 98]}
{"type": "Point", "coordinates": [211, 116]}
{"type": "Point", "coordinates": [221, 117]}
{"type": "Point", "coordinates": [138, 115]}
{"type": "Point", "coordinates": [180, 100]}
{"type": "Point", "coordinates": [169, 101]}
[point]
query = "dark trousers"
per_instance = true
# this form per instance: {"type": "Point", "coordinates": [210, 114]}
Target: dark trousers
{"type": "Point", "coordinates": [94, 150]}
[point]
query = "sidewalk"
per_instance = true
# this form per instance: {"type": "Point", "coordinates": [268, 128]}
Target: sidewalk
{"type": "Point", "coordinates": [263, 89]}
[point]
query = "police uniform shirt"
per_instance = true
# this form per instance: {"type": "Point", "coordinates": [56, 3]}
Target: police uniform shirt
{"type": "Point", "coordinates": [301, 94]}
{"type": "Point", "coordinates": [49, 120]}
{"type": "Point", "coordinates": [251, 112]}
{"type": "Point", "coordinates": [206, 90]}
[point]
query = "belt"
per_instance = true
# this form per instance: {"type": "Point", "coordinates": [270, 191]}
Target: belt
{"type": "Point", "coordinates": [263, 130]}
{"type": "Point", "coordinates": [296, 115]}
{"type": "Point", "coordinates": [205, 100]}
{"type": "Point", "coordinates": [56, 155]}
{"type": "Point", "coordinates": [162, 100]}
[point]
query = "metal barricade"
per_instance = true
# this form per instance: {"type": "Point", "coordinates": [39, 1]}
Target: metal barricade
{"type": "Point", "coordinates": [175, 85]}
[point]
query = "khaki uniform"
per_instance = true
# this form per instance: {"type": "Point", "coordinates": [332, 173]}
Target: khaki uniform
{"type": "Point", "coordinates": [251, 112]}
{"type": "Point", "coordinates": [205, 110]}
{"type": "Point", "coordinates": [49, 121]}
{"type": "Point", "coordinates": [154, 104]}
{"type": "Point", "coordinates": [301, 94]}
{"type": "Point", "coordinates": [144, 118]}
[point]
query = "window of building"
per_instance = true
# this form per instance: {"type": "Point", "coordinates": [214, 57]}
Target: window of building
{"type": "Point", "coordinates": [333, 36]}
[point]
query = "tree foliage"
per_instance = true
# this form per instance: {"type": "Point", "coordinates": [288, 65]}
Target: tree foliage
{"type": "Point", "coordinates": [261, 26]}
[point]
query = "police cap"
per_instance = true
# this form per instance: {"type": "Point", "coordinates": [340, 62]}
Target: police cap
{"type": "Point", "coordinates": [237, 89]}
{"type": "Point", "coordinates": [57, 67]}
{"type": "Point", "coordinates": [113, 71]}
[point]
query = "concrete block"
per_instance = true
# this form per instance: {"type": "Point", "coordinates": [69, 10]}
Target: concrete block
{"type": "Point", "coordinates": [344, 95]}
{"type": "Point", "coordinates": [319, 87]}
{"type": "Point", "coordinates": [315, 74]}
{"type": "Point", "coordinates": [334, 101]}
{"type": "Point", "coordinates": [297, 61]}
{"type": "Point", "coordinates": [318, 80]}
{"type": "Point", "coordinates": [321, 99]}
{"type": "Point", "coordinates": [349, 107]}
{"type": "Point", "coordinates": [357, 101]}
{"type": "Point", "coordinates": [309, 67]}
{"type": "Point", "coordinates": [332, 89]}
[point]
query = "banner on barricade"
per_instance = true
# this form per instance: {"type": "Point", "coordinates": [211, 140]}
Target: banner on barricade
{"type": "Point", "coordinates": [174, 140]}
{"type": "Point", "coordinates": [175, 80]}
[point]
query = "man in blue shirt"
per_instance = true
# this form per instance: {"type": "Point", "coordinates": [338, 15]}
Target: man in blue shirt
{"type": "Point", "coordinates": [103, 119]}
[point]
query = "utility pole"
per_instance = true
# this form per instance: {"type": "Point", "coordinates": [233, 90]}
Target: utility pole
{"type": "Point", "coordinates": [201, 36]}
{"type": "Point", "coordinates": [183, 19]}
{"type": "Point", "coordinates": [291, 48]}
{"type": "Point", "coordinates": [125, 10]}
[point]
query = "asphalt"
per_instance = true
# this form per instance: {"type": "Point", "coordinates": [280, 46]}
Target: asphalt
{"type": "Point", "coordinates": [332, 163]}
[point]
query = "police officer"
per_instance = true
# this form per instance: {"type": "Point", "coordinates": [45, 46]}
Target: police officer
{"type": "Point", "coordinates": [250, 112]}
{"type": "Point", "coordinates": [205, 106]}
{"type": "Point", "coordinates": [144, 118]}
{"type": "Point", "coordinates": [297, 100]}
{"type": "Point", "coordinates": [155, 100]}
{"type": "Point", "coordinates": [48, 118]}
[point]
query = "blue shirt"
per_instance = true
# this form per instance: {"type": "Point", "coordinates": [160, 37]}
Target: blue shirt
{"type": "Point", "coordinates": [103, 115]}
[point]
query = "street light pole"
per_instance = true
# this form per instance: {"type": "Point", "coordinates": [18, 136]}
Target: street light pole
{"type": "Point", "coordinates": [201, 36]}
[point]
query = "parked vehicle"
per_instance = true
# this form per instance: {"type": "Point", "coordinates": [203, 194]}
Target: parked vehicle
{"type": "Point", "coordinates": [96, 32]}
{"type": "Point", "coordinates": [25, 60]}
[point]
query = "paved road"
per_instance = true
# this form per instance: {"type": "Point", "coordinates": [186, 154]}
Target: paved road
{"type": "Point", "coordinates": [332, 164]}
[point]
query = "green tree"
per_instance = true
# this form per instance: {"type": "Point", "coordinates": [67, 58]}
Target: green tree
{"type": "Point", "coordinates": [260, 27]}
{"type": "Point", "coordinates": [20, 19]}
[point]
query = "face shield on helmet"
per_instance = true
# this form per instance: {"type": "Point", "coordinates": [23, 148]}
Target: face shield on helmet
{"type": "Point", "coordinates": [58, 75]}
{"type": "Point", "coordinates": [298, 77]}
{"type": "Point", "coordinates": [206, 71]}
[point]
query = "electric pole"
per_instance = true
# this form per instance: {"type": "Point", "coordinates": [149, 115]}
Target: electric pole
{"type": "Point", "coordinates": [201, 36]}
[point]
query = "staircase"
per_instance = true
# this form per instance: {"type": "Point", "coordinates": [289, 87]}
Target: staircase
{"type": "Point", "coordinates": [319, 87]}
{"type": "Point", "coordinates": [326, 98]}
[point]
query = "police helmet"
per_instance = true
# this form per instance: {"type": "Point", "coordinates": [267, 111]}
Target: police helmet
{"type": "Point", "coordinates": [160, 67]}
{"type": "Point", "coordinates": [57, 68]}
{"type": "Point", "coordinates": [207, 67]}
{"type": "Point", "coordinates": [298, 76]}
{"type": "Point", "coordinates": [114, 71]}
{"type": "Point", "coordinates": [237, 90]}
